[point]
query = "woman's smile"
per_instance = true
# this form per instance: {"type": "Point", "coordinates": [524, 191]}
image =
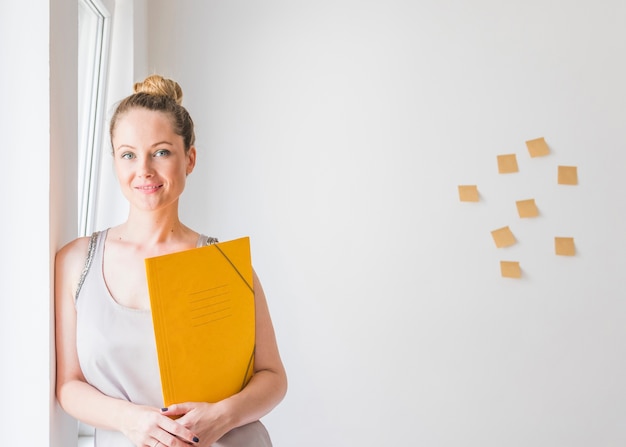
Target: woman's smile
{"type": "Point", "coordinates": [149, 189]}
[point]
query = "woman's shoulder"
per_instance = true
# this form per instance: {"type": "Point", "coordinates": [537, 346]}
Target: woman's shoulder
{"type": "Point", "coordinates": [75, 251]}
{"type": "Point", "coordinates": [70, 262]}
{"type": "Point", "coordinates": [78, 244]}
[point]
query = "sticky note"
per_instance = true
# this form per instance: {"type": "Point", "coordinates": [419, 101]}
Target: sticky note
{"type": "Point", "coordinates": [503, 237]}
{"type": "Point", "coordinates": [510, 269]}
{"type": "Point", "coordinates": [537, 147]}
{"type": "Point", "coordinates": [564, 246]}
{"type": "Point", "coordinates": [527, 208]}
{"type": "Point", "coordinates": [507, 164]}
{"type": "Point", "coordinates": [568, 175]}
{"type": "Point", "coordinates": [468, 193]}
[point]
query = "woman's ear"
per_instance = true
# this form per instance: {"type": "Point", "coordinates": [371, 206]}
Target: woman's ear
{"type": "Point", "coordinates": [191, 159]}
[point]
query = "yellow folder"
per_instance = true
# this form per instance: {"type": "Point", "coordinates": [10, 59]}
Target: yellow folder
{"type": "Point", "coordinates": [202, 304]}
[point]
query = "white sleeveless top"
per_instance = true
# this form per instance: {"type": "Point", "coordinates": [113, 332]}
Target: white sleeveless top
{"type": "Point", "coordinates": [117, 350]}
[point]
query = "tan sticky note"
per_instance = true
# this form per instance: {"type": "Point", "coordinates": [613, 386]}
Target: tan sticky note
{"type": "Point", "coordinates": [503, 237]}
{"type": "Point", "coordinates": [468, 193]}
{"type": "Point", "coordinates": [564, 246]}
{"type": "Point", "coordinates": [510, 269]}
{"type": "Point", "coordinates": [537, 147]}
{"type": "Point", "coordinates": [527, 208]}
{"type": "Point", "coordinates": [568, 175]}
{"type": "Point", "coordinates": [507, 164]}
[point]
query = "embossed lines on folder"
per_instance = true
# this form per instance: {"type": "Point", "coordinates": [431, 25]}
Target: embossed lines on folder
{"type": "Point", "coordinates": [209, 306]}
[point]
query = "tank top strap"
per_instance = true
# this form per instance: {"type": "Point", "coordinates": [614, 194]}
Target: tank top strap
{"type": "Point", "coordinates": [93, 241]}
{"type": "Point", "coordinates": [206, 240]}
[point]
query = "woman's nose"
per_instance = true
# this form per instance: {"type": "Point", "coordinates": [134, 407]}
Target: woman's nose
{"type": "Point", "coordinates": [144, 168]}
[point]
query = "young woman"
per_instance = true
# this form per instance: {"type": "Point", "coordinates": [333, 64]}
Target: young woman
{"type": "Point", "coordinates": [107, 367]}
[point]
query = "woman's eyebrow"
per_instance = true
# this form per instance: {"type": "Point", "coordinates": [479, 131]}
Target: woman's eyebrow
{"type": "Point", "coordinates": [162, 142]}
{"type": "Point", "coordinates": [128, 146]}
{"type": "Point", "coordinates": [159, 143]}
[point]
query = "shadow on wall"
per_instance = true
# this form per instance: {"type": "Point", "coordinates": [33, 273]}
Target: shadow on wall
{"type": "Point", "coordinates": [85, 435]}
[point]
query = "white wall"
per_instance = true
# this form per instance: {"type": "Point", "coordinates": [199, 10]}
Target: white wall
{"type": "Point", "coordinates": [335, 133]}
{"type": "Point", "coordinates": [38, 202]}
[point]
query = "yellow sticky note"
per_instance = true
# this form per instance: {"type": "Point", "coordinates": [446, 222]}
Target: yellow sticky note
{"type": "Point", "coordinates": [468, 193]}
{"type": "Point", "coordinates": [503, 237]}
{"type": "Point", "coordinates": [564, 246]}
{"type": "Point", "coordinates": [507, 164]}
{"type": "Point", "coordinates": [527, 208]}
{"type": "Point", "coordinates": [537, 147]}
{"type": "Point", "coordinates": [568, 175]}
{"type": "Point", "coordinates": [510, 269]}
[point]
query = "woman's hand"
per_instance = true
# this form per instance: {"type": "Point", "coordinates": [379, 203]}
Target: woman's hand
{"type": "Point", "coordinates": [209, 421]}
{"type": "Point", "coordinates": [150, 427]}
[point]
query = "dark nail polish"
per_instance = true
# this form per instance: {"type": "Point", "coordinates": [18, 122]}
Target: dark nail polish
{"type": "Point", "coordinates": [195, 439]}
{"type": "Point", "coordinates": [164, 409]}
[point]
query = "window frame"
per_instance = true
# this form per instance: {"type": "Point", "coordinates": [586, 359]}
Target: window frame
{"type": "Point", "coordinates": [94, 28]}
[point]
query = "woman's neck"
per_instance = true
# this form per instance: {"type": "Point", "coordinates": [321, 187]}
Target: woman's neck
{"type": "Point", "coordinates": [151, 229]}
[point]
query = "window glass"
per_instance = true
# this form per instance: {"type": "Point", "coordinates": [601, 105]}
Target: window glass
{"type": "Point", "coordinates": [93, 34]}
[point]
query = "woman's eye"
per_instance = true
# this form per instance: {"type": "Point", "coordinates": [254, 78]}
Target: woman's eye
{"type": "Point", "coordinates": [128, 156]}
{"type": "Point", "coordinates": [161, 153]}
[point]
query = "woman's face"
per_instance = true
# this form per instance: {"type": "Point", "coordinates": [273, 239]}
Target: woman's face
{"type": "Point", "coordinates": [150, 159]}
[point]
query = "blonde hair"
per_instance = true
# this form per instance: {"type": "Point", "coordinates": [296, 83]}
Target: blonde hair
{"type": "Point", "coordinates": [161, 95]}
{"type": "Point", "coordinates": [159, 86]}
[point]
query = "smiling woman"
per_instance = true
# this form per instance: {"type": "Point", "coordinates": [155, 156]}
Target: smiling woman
{"type": "Point", "coordinates": [107, 366]}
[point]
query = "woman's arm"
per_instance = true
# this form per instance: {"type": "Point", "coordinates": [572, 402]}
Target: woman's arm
{"type": "Point", "coordinates": [143, 425]}
{"type": "Point", "coordinates": [266, 388]}
{"type": "Point", "coordinates": [268, 385]}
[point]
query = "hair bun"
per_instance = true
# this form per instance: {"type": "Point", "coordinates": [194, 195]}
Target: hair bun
{"type": "Point", "coordinates": [159, 86]}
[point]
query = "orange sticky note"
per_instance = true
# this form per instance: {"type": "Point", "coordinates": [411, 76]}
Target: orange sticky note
{"type": "Point", "coordinates": [537, 147]}
{"type": "Point", "coordinates": [468, 193]}
{"type": "Point", "coordinates": [568, 175]}
{"type": "Point", "coordinates": [507, 164]}
{"type": "Point", "coordinates": [503, 237]}
{"type": "Point", "coordinates": [510, 269]}
{"type": "Point", "coordinates": [527, 208]}
{"type": "Point", "coordinates": [564, 246]}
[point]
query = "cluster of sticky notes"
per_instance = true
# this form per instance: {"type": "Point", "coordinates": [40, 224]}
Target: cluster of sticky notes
{"type": "Point", "coordinates": [526, 208]}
